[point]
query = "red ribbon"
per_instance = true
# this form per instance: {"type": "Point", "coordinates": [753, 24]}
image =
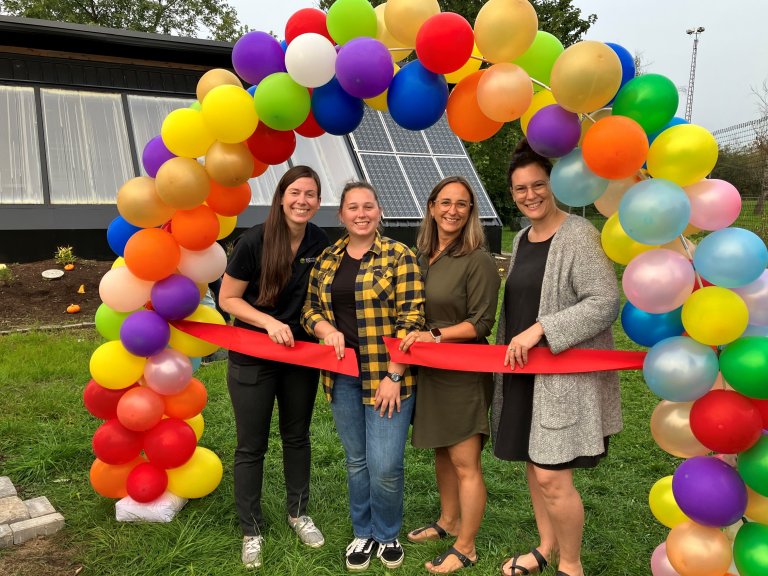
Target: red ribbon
{"type": "Point", "coordinates": [484, 358]}
{"type": "Point", "coordinates": [259, 345]}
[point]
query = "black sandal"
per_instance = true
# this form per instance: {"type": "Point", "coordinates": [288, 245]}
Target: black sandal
{"type": "Point", "coordinates": [514, 567]}
{"type": "Point", "coordinates": [441, 533]}
{"type": "Point", "coordinates": [465, 562]}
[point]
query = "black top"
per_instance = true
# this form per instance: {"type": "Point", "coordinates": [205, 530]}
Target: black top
{"type": "Point", "coordinates": [343, 300]}
{"type": "Point", "coordinates": [245, 264]}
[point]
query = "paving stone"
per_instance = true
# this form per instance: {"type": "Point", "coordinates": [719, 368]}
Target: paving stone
{"type": "Point", "coordinates": [12, 510]}
{"type": "Point", "coordinates": [34, 527]}
{"type": "Point", "coordinates": [39, 506]}
{"type": "Point", "coordinates": [6, 536]}
{"type": "Point", "coordinates": [6, 487]}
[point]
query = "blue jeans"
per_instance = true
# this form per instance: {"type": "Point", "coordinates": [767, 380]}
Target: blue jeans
{"type": "Point", "coordinates": [375, 451]}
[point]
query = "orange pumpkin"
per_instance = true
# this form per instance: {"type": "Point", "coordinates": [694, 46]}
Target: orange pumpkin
{"type": "Point", "coordinates": [69, 267]}
{"type": "Point", "coordinates": [73, 308]}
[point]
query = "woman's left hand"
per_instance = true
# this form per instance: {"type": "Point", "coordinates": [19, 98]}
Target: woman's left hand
{"type": "Point", "coordinates": [387, 397]}
{"type": "Point", "coordinates": [517, 351]}
{"type": "Point", "coordinates": [415, 336]}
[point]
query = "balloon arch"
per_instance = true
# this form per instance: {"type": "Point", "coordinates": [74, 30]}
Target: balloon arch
{"type": "Point", "coordinates": [702, 310]}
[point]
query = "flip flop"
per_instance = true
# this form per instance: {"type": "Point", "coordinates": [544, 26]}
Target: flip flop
{"type": "Point", "coordinates": [523, 571]}
{"type": "Point", "coordinates": [465, 562]}
{"type": "Point", "coordinates": [441, 533]}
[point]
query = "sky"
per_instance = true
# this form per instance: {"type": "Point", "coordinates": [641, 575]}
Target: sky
{"type": "Point", "coordinates": [732, 55]}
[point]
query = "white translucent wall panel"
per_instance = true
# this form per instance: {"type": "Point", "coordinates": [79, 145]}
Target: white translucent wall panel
{"type": "Point", "coordinates": [20, 170]}
{"type": "Point", "coordinates": [331, 159]}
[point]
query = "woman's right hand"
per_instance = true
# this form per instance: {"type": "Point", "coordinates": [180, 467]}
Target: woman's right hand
{"type": "Point", "coordinates": [279, 333]}
{"type": "Point", "coordinates": [336, 339]}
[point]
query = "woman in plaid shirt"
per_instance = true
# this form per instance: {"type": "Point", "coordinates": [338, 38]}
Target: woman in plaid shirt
{"type": "Point", "coordinates": [362, 288]}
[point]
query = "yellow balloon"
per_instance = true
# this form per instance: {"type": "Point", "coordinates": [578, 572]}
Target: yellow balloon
{"type": "Point", "coordinates": [586, 76]}
{"type": "Point", "coordinates": [119, 261]}
{"type": "Point", "coordinates": [383, 36]}
{"type": "Point", "coordinates": [683, 154]}
{"type": "Point", "coordinates": [715, 316]}
{"type": "Point", "coordinates": [608, 203]}
{"type": "Point", "coordinates": [212, 79]}
{"type": "Point", "coordinates": [539, 100]}
{"type": "Point", "coordinates": [757, 506]}
{"type": "Point", "coordinates": [504, 92]}
{"type": "Point", "coordinates": [189, 345]}
{"type": "Point", "coordinates": [229, 113]}
{"type": "Point", "coordinates": [114, 367]}
{"type": "Point", "coordinates": [505, 29]}
{"type": "Point", "coordinates": [380, 102]}
{"type": "Point", "coordinates": [185, 133]}
{"type": "Point", "coordinates": [696, 550]}
{"type": "Point", "coordinates": [182, 183]}
{"type": "Point", "coordinates": [227, 225]}
{"type": "Point", "coordinates": [671, 429]}
{"type": "Point", "coordinates": [229, 164]}
{"type": "Point", "coordinates": [198, 425]}
{"type": "Point", "coordinates": [403, 18]}
{"type": "Point", "coordinates": [617, 245]}
{"type": "Point", "coordinates": [470, 67]}
{"type": "Point", "coordinates": [198, 476]}
{"type": "Point", "coordinates": [663, 505]}
{"type": "Point", "coordinates": [139, 203]}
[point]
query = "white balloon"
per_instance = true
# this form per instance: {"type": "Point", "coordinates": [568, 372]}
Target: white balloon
{"type": "Point", "coordinates": [755, 294]}
{"type": "Point", "coordinates": [311, 60]}
{"type": "Point", "coordinates": [203, 266]}
{"type": "Point", "coordinates": [122, 291]}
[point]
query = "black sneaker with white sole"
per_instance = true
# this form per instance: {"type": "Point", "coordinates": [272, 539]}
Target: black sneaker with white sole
{"type": "Point", "coordinates": [359, 553]}
{"type": "Point", "coordinates": [391, 554]}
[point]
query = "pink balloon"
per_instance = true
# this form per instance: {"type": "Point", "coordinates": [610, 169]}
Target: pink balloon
{"type": "Point", "coordinates": [203, 266]}
{"type": "Point", "coordinates": [658, 281]}
{"type": "Point", "coordinates": [660, 565]}
{"type": "Point", "coordinates": [715, 204]}
{"type": "Point", "coordinates": [122, 291]}
{"type": "Point", "coordinates": [168, 372]}
{"type": "Point", "coordinates": [755, 294]}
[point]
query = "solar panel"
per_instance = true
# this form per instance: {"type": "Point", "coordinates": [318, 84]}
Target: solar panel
{"type": "Point", "coordinates": [423, 174]}
{"type": "Point", "coordinates": [442, 140]}
{"type": "Point", "coordinates": [463, 167]}
{"type": "Point", "coordinates": [386, 174]}
{"type": "Point", "coordinates": [405, 141]}
{"type": "Point", "coordinates": [371, 135]}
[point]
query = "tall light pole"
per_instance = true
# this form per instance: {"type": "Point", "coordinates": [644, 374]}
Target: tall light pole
{"type": "Point", "coordinates": [692, 78]}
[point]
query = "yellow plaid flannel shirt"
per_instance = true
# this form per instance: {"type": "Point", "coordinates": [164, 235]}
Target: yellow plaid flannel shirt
{"type": "Point", "coordinates": [389, 292]}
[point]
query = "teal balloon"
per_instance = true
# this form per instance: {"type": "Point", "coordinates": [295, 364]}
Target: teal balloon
{"type": "Point", "coordinates": [753, 466]}
{"type": "Point", "coordinates": [348, 19]}
{"type": "Point", "coordinates": [744, 364]}
{"type": "Point", "coordinates": [573, 183]}
{"type": "Point", "coordinates": [108, 322]}
{"type": "Point", "coordinates": [750, 549]}
{"type": "Point", "coordinates": [654, 211]}
{"type": "Point", "coordinates": [731, 257]}
{"type": "Point", "coordinates": [281, 103]}
{"type": "Point", "coordinates": [651, 100]}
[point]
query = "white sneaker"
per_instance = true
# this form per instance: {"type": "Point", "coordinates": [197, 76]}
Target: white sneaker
{"type": "Point", "coordinates": [252, 551]}
{"type": "Point", "coordinates": [307, 532]}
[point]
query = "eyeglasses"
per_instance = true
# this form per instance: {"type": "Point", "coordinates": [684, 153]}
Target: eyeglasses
{"type": "Point", "coordinates": [537, 187]}
{"type": "Point", "coordinates": [461, 205]}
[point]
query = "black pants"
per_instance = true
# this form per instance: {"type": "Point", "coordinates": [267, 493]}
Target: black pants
{"type": "Point", "coordinates": [253, 390]}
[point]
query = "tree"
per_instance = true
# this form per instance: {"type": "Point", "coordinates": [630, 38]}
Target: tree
{"type": "Point", "coordinates": [176, 17]}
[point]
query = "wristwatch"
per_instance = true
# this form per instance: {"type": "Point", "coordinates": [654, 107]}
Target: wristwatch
{"type": "Point", "coordinates": [394, 376]}
{"type": "Point", "coordinates": [436, 335]}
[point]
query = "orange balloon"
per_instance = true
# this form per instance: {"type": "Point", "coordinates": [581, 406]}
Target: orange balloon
{"type": "Point", "coordinates": [213, 78]}
{"type": "Point", "coordinates": [615, 147]}
{"type": "Point", "coordinates": [109, 480]}
{"type": "Point", "coordinates": [152, 254]}
{"type": "Point", "coordinates": [182, 183]}
{"type": "Point", "coordinates": [464, 115]}
{"type": "Point", "coordinates": [229, 201]}
{"type": "Point", "coordinates": [139, 204]}
{"type": "Point", "coordinates": [695, 550]}
{"type": "Point", "coordinates": [195, 229]}
{"type": "Point", "coordinates": [188, 402]}
{"type": "Point", "coordinates": [588, 121]}
{"type": "Point", "coordinates": [140, 409]}
{"type": "Point", "coordinates": [229, 164]}
{"type": "Point", "coordinates": [504, 92]}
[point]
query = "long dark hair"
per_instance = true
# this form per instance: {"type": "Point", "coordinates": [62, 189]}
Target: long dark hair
{"type": "Point", "coordinates": [276, 256]}
{"type": "Point", "coordinates": [524, 155]}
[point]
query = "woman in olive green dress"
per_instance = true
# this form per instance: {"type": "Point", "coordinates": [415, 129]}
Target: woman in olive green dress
{"type": "Point", "coordinates": [451, 412]}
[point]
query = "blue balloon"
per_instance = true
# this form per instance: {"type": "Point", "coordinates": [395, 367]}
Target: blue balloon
{"type": "Point", "coordinates": [284, 45]}
{"type": "Point", "coordinates": [252, 89]}
{"type": "Point", "coordinates": [649, 329]}
{"type": "Point", "coordinates": [118, 234]}
{"type": "Point", "coordinates": [676, 121]}
{"type": "Point", "coordinates": [196, 361]}
{"type": "Point", "coordinates": [627, 64]}
{"type": "Point", "coordinates": [679, 369]}
{"type": "Point", "coordinates": [417, 97]}
{"type": "Point", "coordinates": [731, 257]}
{"type": "Point", "coordinates": [336, 111]}
{"type": "Point", "coordinates": [573, 183]}
{"type": "Point", "coordinates": [654, 211]}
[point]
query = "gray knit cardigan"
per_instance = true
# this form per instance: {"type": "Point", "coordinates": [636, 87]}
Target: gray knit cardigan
{"type": "Point", "coordinates": [579, 302]}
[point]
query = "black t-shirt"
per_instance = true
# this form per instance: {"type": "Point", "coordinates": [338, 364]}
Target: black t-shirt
{"type": "Point", "coordinates": [245, 264]}
{"type": "Point", "coordinates": [343, 300]}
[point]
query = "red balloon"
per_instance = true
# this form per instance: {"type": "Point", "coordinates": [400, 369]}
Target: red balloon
{"type": "Point", "coordinates": [271, 146]}
{"type": "Point", "coordinates": [725, 421]}
{"type": "Point", "coordinates": [229, 201]}
{"type": "Point", "coordinates": [102, 402]}
{"type": "Point", "coordinates": [762, 406]}
{"type": "Point", "coordinates": [113, 443]}
{"type": "Point", "coordinates": [140, 409]}
{"type": "Point", "coordinates": [170, 444]}
{"type": "Point", "coordinates": [304, 21]}
{"type": "Point", "coordinates": [146, 482]}
{"type": "Point", "coordinates": [444, 42]}
{"type": "Point", "coordinates": [310, 128]}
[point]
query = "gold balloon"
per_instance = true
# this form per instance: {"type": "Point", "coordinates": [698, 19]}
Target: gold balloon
{"type": "Point", "coordinates": [470, 67]}
{"type": "Point", "coordinates": [505, 29]}
{"type": "Point", "coordinates": [586, 76]}
{"type": "Point", "coordinates": [608, 203]}
{"type": "Point", "coordinates": [757, 506]}
{"type": "Point", "coordinates": [227, 225]}
{"type": "Point", "coordinates": [539, 100]}
{"type": "Point", "coordinates": [663, 505]}
{"type": "Point", "coordinates": [383, 36]}
{"type": "Point", "coordinates": [182, 183]}
{"type": "Point", "coordinates": [671, 429]}
{"type": "Point", "coordinates": [504, 92]}
{"type": "Point", "coordinates": [617, 245]}
{"type": "Point", "coordinates": [139, 203]}
{"type": "Point", "coordinates": [213, 78]}
{"type": "Point", "coordinates": [229, 164]}
{"type": "Point", "coordinates": [695, 550]}
{"type": "Point", "coordinates": [403, 18]}
{"type": "Point", "coordinates": [588, 121]}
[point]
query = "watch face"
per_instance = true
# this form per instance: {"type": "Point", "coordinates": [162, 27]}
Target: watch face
{"type": "Point", "coordinates": [435, 332]}
{"type": "Point", "coordinates": [395, 377]}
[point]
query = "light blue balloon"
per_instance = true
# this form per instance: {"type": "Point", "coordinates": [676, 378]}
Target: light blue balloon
{"type": "Point", "coordinates": [679, 369]}
{"type": "Point", "coordinates": [196, 362]}
{"type": "Point", "coordinates": [731, 257]}
{"type": "Point", "coordinates": [573, 183]}
{"type": "Point", "coordinates": [676, 121]}
{"type": "Point", "coordinates": [755, 330]}
{"type": "Point", "coordinates": [654, 211]}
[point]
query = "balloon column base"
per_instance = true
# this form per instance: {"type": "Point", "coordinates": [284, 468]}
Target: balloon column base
{"type": "Point", "coordinates": [162, 509]}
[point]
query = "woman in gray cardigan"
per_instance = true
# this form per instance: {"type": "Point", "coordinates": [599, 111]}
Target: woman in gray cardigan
{"type": "Point", "coordinates": [561, 292]}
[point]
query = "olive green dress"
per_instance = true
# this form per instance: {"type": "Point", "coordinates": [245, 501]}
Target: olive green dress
{"type": "Point", "coordinates": [452, 406]}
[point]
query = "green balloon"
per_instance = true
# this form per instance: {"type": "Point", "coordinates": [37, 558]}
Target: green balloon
{"type": "Point", "coordinates": [651, 100]}
{"type": "Point", "coordinates": [196, 105]}
{"type": "Point", "coordinates": [108, 322]}
{"type": "Point", "coordinates": [281, 103]}
{"type": "Point", "coordinates": [540, 57]}
{"type": "Point", "coordinates": [753, 467]}
{"type": "Point", "coordinates": [750, 549]}
{"type": "Point", "coordinates": [744, 364]}
{"type": "Point", "coordinates": [348, 19]}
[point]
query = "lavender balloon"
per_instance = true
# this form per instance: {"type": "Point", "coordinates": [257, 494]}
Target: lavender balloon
{"type": "Point", "coordinates": [553, 131]}
{"type": "Point", "coordinates": [660, 564]}
{"type": "Point", "coordinates": [155, 154]}
{"type": "Point", "coordinates": [364, 67]}
{"type": "Point", "coordinates": [709, 491]}
{"type": "Point", "coordinates": [175, 297]}
{"type": "Point", "coordinates": [168, 372]}
{"type": "Point", "coordinates": [145, 333]}
{"type": "Point", "coordinates": [256, 55]}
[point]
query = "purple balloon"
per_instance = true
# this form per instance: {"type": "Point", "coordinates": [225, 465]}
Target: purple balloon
{"type": "Point", "coordinates": [175, 297]}
{"type": "Point", "coordinates": [709, 491]}
{"type": "Point", "coordinates": [145, 333]}
{"type": "Point", "coordinates": [155, 154]}
{"type": "Point", "coordinates": [364, 67]}
{"type": "Point", "coordinates": [553, 131]}
{"type": "Point", "coordinates": [257, 55]}
{"type": "Point", "coordinates": [168, 372]}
